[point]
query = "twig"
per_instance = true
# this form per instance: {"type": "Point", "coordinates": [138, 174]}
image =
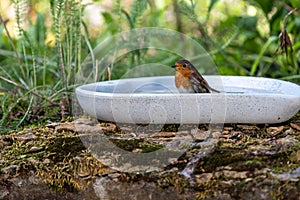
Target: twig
{"type": "Point", "coordinates": [287, 15]}
{"type": "Point", "coordinates": [177, 16]}
{"type": "Point", "coordinates": [289, 8]}
{"type": "Point", "coordinates": [31, 91]}
{"type": "Point", "coordinates": [12, 44]}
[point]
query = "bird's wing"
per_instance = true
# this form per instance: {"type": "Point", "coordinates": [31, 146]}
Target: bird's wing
{"type": "Point", "coordinates": [199, 84]}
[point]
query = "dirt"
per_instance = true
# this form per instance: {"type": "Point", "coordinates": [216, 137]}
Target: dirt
{"type": "Point", "coordinates": [239, 161]}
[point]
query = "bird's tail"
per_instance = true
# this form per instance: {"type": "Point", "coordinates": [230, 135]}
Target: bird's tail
{"type": "Point", "coordinates": [214, 90]}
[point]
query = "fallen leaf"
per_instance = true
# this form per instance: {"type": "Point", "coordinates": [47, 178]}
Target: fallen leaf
{"type": "Point", "coordinates": [274, 130]}
{"type": "Point", "coordinates": [164, 134]}
{"type": "Point", "coordinates": [247, 127]}
{"type": "Point", "coordinates": [295, 126]}
{"type": "Point", "coordinates": [65, 127]}
{"type": "Point", "coordinates": [35, 149]}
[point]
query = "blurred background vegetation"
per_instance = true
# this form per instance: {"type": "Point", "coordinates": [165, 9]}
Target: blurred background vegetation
{"type": "Point", "coordinates": [42, 44]}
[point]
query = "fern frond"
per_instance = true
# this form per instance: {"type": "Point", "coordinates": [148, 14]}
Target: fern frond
{"type": "Point", "coordinates": [137, 9]}
{"type": "Point", "coordinates": [21, 9]}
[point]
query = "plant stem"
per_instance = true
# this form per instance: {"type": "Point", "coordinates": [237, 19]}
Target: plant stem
{"type": "Point", "coordinates": [31, 91]}
{"type": "Point", "coordinates": [287, 15]}
{"type": "Point", "coordinates": [13, 46]}
{"type": "Point", "coordinates": [177, 16]}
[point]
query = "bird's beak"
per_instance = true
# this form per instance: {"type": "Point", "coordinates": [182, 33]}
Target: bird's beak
{"type": "Point", "coordinates": [174, 66]}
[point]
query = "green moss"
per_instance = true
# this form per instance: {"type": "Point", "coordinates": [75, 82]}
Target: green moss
{"type": "Point", "coordinates": [223, 157]}
{"type": "Point", "coordinates": [148, 147]}
{"type": "Point", "coordinates": [72, 169]}
{"type": "Point", "coordinates": [63, 146]}
{"type": "Point", "coordinates": [127, 145]}
{"type": "Point", "coordinates": [131, 144]}
{"type": "Point", "coordinates": [249, 165]}
{"type": "Point", "coordinates": [170, 127]}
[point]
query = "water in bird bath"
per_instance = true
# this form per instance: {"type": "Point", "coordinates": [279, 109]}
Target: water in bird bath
{"type": "Point", "coordinates": [244, 90]}
{"type": "Point", "coordinates": [168, 87]}
{"type": "Point", "coordinates": [155, 88]}
{"type": "Point", "coordinates": [159, 89]}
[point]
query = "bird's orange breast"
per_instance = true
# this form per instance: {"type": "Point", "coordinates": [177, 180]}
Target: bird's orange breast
{"type": "Point", "coordinates": [185, 72]}
{"type": "Point", "coordinates": [182, 81]}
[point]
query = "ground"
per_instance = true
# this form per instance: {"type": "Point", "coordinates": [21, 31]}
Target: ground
{"type": "Point", "coordinates": [241, 161]}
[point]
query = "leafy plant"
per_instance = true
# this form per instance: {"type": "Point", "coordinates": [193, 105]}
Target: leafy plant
{"type": "Point", "coordinates": [40, 78]}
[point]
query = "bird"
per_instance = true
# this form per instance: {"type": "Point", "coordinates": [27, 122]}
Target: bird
{"type": "Point", "coordinates": [189, 80]}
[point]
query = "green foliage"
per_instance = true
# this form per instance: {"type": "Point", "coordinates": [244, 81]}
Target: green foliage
{"type": "Point", "coordinates": [41, 79]}
{"type": "Point", "coordinates": [137, 9]}
{"type": "Point", "coordinates": [265, 5]}
{"type": "Point", "coordinates": [254, 49]}
{"type": "Point", "coordinates": [210, 7]}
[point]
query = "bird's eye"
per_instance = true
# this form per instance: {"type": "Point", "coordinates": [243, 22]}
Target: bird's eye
{"type": "Point", "coordinates": [184, 65]}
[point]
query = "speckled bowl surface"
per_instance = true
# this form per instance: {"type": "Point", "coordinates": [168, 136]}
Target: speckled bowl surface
{"type": "Point", "coordinates": [156, 100]}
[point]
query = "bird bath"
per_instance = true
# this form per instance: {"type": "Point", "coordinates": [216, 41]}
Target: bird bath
{"type": "Point", "coordinates": [156, 100]}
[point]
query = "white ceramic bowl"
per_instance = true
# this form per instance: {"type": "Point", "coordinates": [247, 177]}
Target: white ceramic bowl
{"type": "Point", "coordinates": [156, 100]}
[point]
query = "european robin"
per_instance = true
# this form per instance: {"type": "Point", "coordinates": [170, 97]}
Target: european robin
{"type": "Point", "coordinates": [189, 80]}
